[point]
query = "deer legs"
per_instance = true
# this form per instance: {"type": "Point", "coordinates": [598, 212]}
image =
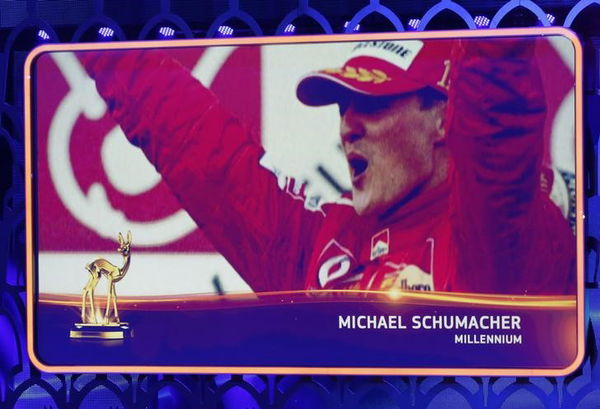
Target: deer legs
{"type": "Point", "coordinates": [114, 298]}
{"type": "Point", "coordinates": [88, 297]}
{"type": "Point", "coordinates": [88, 291]}
{"type": "Point", "coordinates": [112, 293]}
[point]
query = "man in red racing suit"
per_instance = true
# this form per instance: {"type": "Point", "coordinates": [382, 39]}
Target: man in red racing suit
{"type": "Point", "coordinates": [486, 225]}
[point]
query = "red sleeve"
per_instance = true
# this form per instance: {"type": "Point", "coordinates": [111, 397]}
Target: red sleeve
{"type": "Point", "coordinates": [211, 164]}
{"type": "Point", "coordinates": [511, 237]}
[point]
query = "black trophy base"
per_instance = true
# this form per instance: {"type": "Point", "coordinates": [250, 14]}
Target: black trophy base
{"type": "Point", "coordinates": [113, 330]}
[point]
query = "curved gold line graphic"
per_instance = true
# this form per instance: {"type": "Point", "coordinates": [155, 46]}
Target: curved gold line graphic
{"type": "Point", "coordinates": [395, 297]}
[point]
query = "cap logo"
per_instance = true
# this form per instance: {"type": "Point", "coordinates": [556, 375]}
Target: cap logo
{"type": "Point", "coordinates": [444, 82]}
{"type": "Point", "coordinates": [360, 74]}
{"type": "Point", "coordinates": [399, 53]}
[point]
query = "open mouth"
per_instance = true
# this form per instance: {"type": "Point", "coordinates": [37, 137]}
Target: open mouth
{"type": "Point", "coordinates": [358, 167]}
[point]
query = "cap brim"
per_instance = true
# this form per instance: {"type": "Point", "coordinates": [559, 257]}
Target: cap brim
{"type": "Point", "coordinates": [319, 88]}
{"type": "Point", "coordinates": [323, 88]}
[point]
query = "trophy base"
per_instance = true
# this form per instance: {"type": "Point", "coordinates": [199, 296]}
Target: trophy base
{"type": "Point", "coordinates": [113, 330]}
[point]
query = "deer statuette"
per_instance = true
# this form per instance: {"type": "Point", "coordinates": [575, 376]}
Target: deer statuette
{"type": "Point", "coordinates": [113, 274]}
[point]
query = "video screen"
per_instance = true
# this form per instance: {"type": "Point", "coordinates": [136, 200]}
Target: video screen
{"type": "Point", "coordinates": [361, 204]}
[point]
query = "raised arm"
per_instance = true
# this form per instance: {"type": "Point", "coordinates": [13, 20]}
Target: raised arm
{"type": "Point", "coordinates": [209, 161]}
{"type": "Point", "coordinates": [511, 237]}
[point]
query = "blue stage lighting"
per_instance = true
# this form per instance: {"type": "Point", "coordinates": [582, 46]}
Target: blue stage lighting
{"type": "Point", "coordinates": [289, 29]}
{"type": "Point", "coordinates": [482, 21]}
{"type": "Point", "coordinates": [166, 32]}
{"type": "Point", "coordinates": [413, 24]}
{"type": "Point", "coordinates": [355, 29]}
{"type": "Point", "coordinates": [43, 36]}
{"type": "Point", "coordinates": [225, 31]}
{"type": "Point", "coordinates": [106, 32]}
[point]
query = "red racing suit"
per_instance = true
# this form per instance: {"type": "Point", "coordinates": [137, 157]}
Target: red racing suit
{"type": "Point", "coordinates": [490, 228]}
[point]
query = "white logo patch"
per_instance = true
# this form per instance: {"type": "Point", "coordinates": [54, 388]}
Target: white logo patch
{"type": "Point", "coordinates": [333, 269]}
{"type": "Point", "coordinates": [412, 277]}
{"type": "Point", "coordinates": [399, 53]}
{"type": "Point", "coordinates": [338, 262]}
{"type": "Point", "coordinates": [380, 244]}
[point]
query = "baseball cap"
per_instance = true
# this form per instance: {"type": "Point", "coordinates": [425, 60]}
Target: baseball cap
{"type": "Point", "coordinates": [382, 67]}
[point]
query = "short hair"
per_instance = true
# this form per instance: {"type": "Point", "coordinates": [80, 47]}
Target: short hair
{"type": "Point", "coordinates": [430, 97]}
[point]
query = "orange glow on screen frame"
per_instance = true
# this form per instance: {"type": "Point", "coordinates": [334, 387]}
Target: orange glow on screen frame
{"type": "Point", "coordinates": [30, 255]}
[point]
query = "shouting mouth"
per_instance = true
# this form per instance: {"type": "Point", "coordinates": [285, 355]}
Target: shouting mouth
{"type": "Point", "coordinates": [358, 168]}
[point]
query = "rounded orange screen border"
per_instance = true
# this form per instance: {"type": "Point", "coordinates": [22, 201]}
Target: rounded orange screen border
{"type": "Point", "coordinates": [526, 32]}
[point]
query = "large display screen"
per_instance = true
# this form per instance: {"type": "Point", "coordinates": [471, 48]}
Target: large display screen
{"type": "Point", "coordinates": [406, 203]}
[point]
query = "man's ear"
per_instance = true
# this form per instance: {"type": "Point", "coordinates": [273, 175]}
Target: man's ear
{"type": "Point", "coordinates": [439, 113]}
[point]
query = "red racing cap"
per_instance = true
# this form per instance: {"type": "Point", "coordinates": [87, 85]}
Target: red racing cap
{"type": "Point", "coordinates": [382, 67]}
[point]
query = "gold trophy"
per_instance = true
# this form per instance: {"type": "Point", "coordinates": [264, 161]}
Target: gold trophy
{"type": "Point", "coordinates": [110, 326]}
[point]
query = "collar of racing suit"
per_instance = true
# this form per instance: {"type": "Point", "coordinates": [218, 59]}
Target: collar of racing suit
{"type": "Point", "coordinates": [423, 207]}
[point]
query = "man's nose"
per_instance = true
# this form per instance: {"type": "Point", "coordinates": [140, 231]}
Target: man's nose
{"type": "Point", "coordinates": [351, 127]}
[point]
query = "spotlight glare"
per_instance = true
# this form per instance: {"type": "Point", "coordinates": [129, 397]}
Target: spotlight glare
{"type": "Point", "coordinates": [395, 294]}
{"type": "Point", "coordinates": [551, 18]}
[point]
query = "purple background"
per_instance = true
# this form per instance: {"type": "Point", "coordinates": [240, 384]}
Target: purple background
{"type": "Point", "coordinates": [306, 334]}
